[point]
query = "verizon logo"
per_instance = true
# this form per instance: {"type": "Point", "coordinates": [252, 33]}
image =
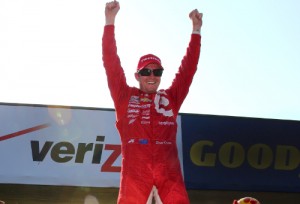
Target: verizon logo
{"type": "Point", "coordinates": [23, 132]}
{"type": "Point", "coordinates": [63, 152]}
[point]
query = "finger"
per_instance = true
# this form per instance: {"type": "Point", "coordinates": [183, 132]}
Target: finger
{"type": "Point", "coordinates": [200, 15]}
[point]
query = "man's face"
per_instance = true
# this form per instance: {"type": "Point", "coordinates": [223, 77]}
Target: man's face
{"type": "Point", "coordinates": [149, 84]}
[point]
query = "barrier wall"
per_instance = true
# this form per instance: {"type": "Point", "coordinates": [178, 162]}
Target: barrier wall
{"type": "Point", "coordinates": [76, 146]}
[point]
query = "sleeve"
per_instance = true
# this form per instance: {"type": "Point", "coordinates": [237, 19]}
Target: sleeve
{"type": "Point", "coordinates": [183, 78]}
{"type": "Point", "coordinates": [111, 62]}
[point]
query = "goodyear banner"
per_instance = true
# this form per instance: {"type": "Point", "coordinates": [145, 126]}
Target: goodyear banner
{"type": "Point", "coordinates": [235, 153]}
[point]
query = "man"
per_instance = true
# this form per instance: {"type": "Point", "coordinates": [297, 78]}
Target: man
{"type": "Point", "coordinates": [146, 118]}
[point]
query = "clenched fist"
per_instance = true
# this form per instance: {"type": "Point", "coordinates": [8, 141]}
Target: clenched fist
{"type": "Point", "coordinates": [196, 18]}
{"type": "Point", "coordinates": [111, 10]}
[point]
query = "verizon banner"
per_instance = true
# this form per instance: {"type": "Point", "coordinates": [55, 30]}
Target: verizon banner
{"type": "Point", "coordinates": [59, 146]}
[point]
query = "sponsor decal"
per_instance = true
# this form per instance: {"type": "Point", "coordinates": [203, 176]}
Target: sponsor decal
{"type": "Point", "coordinates": [143, 141]}
{"type": "Point", "coordinates": [132, 116]}
{"type": "Point", "coordinates": [146, 112]}
{"type": "Point", "coordinates": [133, 111]}
{"type": "Point", "coordinates": [161, 103]}
{"type": "Point", "coordinates": [131, 121]}
{"type": "Point", "coordinates": [146, 100]}
{"type": "Point", "coordinates": [134, 99]}
{"type": "Point", "coordinates": [138, 141]}
{"type": "Point", "coordinates": [134, 105]}
{"type": "Point", "coordinates": [145, 122]}
{"type": "Point", "coordinates": [166, 123]}
{"type": "Point", "coordinates": [150, 58]}
{"type": "Point", "coordinates": [143, 106]}
{"type": "Point", "coordinates": [165, 142]}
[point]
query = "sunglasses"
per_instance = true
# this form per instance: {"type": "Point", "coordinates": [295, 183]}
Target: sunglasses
{"type": "Point", "coordinates": [147, 72]}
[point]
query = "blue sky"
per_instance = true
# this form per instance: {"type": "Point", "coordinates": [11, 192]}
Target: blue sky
{"type": "Point", "coordinates": [50, 52]}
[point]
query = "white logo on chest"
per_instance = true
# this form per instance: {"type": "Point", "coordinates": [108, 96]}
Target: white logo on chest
{"type": "Point", "coordinates": [161, 103]}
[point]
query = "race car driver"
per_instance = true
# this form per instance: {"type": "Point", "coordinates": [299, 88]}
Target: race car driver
{"type": "Point", "coordinates": [146, 117]}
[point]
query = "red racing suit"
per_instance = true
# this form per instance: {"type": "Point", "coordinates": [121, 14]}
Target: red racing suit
{"type": "Point", "coordinates": [147, 127]}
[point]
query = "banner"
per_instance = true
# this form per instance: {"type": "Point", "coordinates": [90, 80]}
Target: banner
{"type": "Point", "coordinates": [59, 146]}
{"type": "Point", "coordinates": [236, 153]}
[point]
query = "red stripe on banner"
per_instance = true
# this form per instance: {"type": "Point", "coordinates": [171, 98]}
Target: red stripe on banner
{"type": "Point", "coordinates": [22, 132]}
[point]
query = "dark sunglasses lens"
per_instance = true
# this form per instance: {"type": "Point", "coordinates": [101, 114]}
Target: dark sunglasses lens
{"type": "Point", "coordinates": [157, 72]}
{"type": "Point", "coordinates": [145, 72]}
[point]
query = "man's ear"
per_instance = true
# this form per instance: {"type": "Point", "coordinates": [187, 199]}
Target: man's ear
{"type": "Point", "coordinates": [137, 76]}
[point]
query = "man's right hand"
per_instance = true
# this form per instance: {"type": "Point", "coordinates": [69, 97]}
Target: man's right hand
{"type": "Point", "coordinates": [111, 10]}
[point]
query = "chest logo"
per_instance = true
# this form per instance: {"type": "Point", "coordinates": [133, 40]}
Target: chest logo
{"type": "Point", "coordinates": [161, 104]}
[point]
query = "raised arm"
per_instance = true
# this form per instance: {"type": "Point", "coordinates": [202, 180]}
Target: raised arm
{"type": "Point", "coordinates": [111, 61]}
{"type": "Point", "coordinates": [183, 79]}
